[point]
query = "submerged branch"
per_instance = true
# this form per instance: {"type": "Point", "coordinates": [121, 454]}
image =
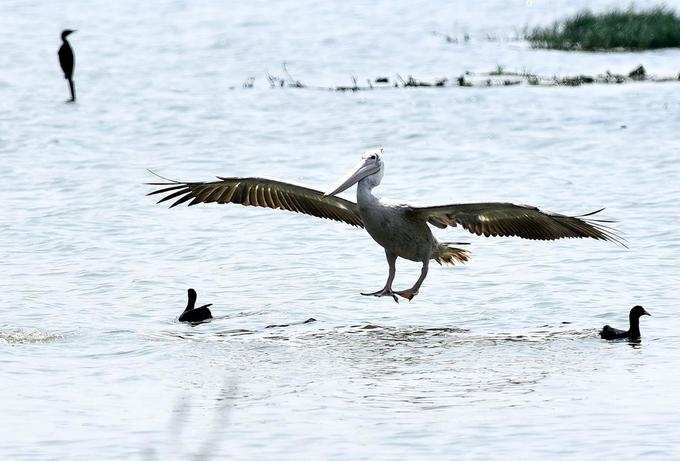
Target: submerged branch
{"type": "Point", "coordinates": [495, 78]}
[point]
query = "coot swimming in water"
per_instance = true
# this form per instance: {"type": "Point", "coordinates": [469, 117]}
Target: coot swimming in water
{"type": "Point", "coordinates": [634, 331]}
{"type": "Point", "coordinates": [198, 314]}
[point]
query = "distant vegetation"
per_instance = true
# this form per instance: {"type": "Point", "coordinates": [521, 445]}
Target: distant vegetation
{"type": "Point", "coordinates": [658, 27]}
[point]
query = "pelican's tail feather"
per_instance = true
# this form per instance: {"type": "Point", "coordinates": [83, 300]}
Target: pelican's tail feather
{"type": "Point", "coordinates": [447, 254]}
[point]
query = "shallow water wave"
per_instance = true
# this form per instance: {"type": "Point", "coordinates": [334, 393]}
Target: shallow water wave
{"type": "Point", "coordinates": [418, 335]}
{"type": "Point", "coordinates": [28, 336]}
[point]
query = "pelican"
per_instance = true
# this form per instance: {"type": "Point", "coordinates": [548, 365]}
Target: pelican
{"type": "Point", "coordinates": [402, 230]}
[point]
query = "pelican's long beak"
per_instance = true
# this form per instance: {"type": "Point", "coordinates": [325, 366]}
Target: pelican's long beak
{"type": "Point", "coordinates": [365, 168]}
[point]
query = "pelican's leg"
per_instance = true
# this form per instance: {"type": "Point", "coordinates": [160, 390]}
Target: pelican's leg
{"type": "Point", "coordinates": [411, 292]}
{"type": "Point", "coordinates": [387, 290]}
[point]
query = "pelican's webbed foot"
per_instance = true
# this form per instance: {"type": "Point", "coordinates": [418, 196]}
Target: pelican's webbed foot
{"type": "Point", "coordinates": [408, 294]}
{"type": "Point", "coordinates": [383, 292]}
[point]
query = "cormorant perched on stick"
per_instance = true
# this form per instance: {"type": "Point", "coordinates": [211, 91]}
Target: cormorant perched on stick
{"type": "Point", "coordinates": [67, 61]}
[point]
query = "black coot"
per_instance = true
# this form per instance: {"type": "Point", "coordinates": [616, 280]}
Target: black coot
{"type": "Point", "coordinates": [632, 333]}
{"type": "Point", "coordinates": [192, 314]}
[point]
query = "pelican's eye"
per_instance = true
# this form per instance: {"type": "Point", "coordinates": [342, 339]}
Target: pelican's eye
{"type": "Point", "coordinates": [373, 157]}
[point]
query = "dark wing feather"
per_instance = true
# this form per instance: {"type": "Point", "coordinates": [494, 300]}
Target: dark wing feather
{"type": "Point", "coordinates": [508, 219]}
{"type": "Point", "coordinates": [263, 193]}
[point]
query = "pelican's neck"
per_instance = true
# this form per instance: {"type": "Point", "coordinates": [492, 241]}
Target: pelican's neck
{"type": "Point", "coordinates": [365, 195]}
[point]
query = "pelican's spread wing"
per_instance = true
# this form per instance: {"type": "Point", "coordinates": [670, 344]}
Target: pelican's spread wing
{"type": "Point", "coordinates": [263, 193]}
{"type": "Point", "coordinates": [508, 219]}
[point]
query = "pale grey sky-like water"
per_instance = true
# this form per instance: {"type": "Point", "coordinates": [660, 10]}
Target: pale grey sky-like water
{"type": "Point", "coordinates": [498, 356]}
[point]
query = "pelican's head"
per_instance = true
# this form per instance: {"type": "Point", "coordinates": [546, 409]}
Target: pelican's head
{"type": "Point", "coordinates": [65, 33]}
{"type": "Point", "coordinates": [369, 169]}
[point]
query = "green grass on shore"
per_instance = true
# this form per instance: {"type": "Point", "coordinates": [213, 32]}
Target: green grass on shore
{"type": "Point", "coordinates": [616, 29]}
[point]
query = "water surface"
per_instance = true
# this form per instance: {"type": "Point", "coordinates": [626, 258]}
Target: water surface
{"type": "Point", "coordinates": [498, 356]}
